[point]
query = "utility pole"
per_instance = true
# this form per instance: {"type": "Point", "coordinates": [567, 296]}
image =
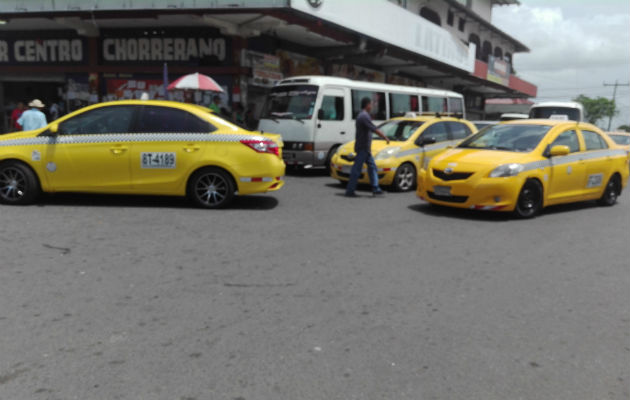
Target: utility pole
{"type": "Point", "coordinates": [616, 85]}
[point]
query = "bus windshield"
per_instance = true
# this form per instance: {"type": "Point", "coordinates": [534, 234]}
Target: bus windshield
{"type": "Point", "coordinates": [546, 112]}
{"type": "Point", "coordinates": [291, 102]}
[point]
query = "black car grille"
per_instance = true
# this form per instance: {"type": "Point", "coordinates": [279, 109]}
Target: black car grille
{"type": "Point", "coordinates": [449, 199]}
{"type": "Point", "coordinates": [455, 176]}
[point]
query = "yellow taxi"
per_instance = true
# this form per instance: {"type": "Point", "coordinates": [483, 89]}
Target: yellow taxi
{"type": "Point", "coordinates": [414, 139]}
{"type": "Point", "coordinates": [141, 147]}
{"type": "Point", "coordinates": [621, 138]}
{"type": "Point", "coordinates": [525, 165]}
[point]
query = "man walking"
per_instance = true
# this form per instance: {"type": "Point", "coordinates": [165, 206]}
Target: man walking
{"type": "Point", "coordinates": [34, 118]}
{"type": "Point", "coordinates": [363, 149]}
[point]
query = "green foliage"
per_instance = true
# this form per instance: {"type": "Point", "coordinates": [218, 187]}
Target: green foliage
{"type": "Point", "coordinates": [596, 109]}
{"type": "Point", "coordinates": [624, 128]}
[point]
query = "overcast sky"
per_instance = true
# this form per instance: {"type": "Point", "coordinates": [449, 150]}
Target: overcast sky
{"type": "Point", "coordinates": [576, 46]}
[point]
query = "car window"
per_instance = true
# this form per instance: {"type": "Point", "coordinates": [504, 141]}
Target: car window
{"type": "Point", "coordinates": [593, 141]}
{"type": "Point", "coordinates": [112, 119]}
{"type": "Point", "coordinates": [398, 130]}
{"type": "Point", "coordinates": [459, 130]}
{"type": "Point", "coordinates": [333, 108]}
{"type": "Point", "coordinates": [621, 139]}
{"type": "Point", "coordinates": [438, 131]}
{"type": "Point", "coordinates": [569, 139]}
{"type": "Point", "coordinates": [155, 119]}
{"type": "Point", "coordinates": [507, 137]}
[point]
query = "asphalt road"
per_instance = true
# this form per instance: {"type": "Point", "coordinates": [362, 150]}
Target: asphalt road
{"type": "Point", "coordinates": [304, 294]}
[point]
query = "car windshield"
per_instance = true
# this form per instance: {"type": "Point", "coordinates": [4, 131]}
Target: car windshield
{"type": "Point", "coordinates": [521, 138]}
{"type": "Point", "coordinates": [621, 139]}
{"type": "Point", "coordinates": [291, 102]}
{"type": "Point", "coordinates": [398, 130]}
{"type": "Point", "coordinates": [573, 114]}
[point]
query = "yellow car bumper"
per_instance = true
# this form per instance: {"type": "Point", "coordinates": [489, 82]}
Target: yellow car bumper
{"type": "Point", "coordinates": [477, 193]}
{"type": "Point", "coordinates": [386, 170]}
{"type": "Point", "coordinates": [260, 177]}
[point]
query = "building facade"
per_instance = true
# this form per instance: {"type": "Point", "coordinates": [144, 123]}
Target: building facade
{"type": "Point", "coordinates": [75, 53]}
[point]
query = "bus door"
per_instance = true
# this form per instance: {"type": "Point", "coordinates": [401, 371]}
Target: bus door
{"type": "Point", "coordinates": [333, 122]}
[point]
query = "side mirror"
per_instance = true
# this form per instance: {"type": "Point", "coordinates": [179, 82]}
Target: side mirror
{"type": "Point", "coordinates": [422, 141]}
{"type": "Point", "coordinates": [557, 151]}
{"type": "Point", "coordinates": [320, 114]}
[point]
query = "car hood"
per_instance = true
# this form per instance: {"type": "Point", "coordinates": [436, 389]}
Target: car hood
{"type": "Point", "coordinates": [474, 159]}
{"type": "Point", "coordinates": [377, 146]}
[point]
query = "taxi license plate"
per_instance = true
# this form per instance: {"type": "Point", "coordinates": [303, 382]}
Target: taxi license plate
{"type": "Point", "coordinates": [442, 190]}
{"type": "Point", "coordinates": [157, 160]}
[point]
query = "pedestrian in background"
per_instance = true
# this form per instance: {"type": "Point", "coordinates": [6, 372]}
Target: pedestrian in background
{"type": "Point", "coordinates": [216, 105]}
{"type": "Point", "coordinates": [363, 150]}
{"type": "Point", "coordinates": [54, 111]}
{"type": "Point", "coordinates": [34, 118]}
{"type": "Point", "coordinates": [15, 116]}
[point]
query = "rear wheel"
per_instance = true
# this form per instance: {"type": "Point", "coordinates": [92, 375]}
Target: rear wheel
{"type": "Point", "coordinates": [18, 184]}
{"type": "Point", "coordinates": [530, 200]}
{"type": "Point", "coordinates": [405, 178]}
{"type": "Point", "coordinates": [611, 192]}
{"type": "Point", "coordinates": [211, 188]}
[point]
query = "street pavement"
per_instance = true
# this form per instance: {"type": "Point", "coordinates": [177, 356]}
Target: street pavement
{"type": "Point", "coordinates": [305, 294]}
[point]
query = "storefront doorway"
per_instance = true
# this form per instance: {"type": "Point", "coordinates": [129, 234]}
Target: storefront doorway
{"type": "Point", "coordinates": [24, 89]}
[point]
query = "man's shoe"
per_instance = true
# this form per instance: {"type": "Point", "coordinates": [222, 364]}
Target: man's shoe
{"type": "Point", "coordinates": [350, 195]}
{"type": "Point", "coordinates": [378, 193]}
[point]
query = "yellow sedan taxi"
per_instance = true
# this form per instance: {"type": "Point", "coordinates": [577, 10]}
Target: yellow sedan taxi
{"type": "Point", "coordinates": [413, 141]}
{"type": "Point", "coordinates": [140, 147]}
{"type": "Point", "coordinates": [621, 138]}
{"type": "Point", "coordinates": [523, 166]}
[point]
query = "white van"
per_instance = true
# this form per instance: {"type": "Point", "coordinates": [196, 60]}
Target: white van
{"type": "Point", "coordinates": [316, 114]}
{"type": "Point", "coordinates": [568, 110]}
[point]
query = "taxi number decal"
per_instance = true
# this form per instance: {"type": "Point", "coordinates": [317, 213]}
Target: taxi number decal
{"type": "Point", "coordinates": [594, 180]}
{"type": "Point", "coordinates": [157, 160]}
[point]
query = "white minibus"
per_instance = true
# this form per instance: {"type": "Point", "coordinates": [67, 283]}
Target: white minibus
{"type": "Point", "coordinates": [568, 110]}
{"type": "Point", "coordinates": [316, 114]}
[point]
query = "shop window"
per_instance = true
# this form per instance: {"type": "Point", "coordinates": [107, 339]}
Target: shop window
{"type": "Point", "coordinates": [462, 24]}
{"type": "Point", "coordinates": [459, 130]}
{"type": "Point", "coordinates": [498, 53]}
{"type": "Point", "coordinates": [332, 108]}
{"type": "Point", "coordinates": [154, 119]}
{"type": "Point", "coordinates": [434, 104]}
{"type": "Point", "coordinates": [400, 104]}
{"type": "Point", "coordinates": [438, 131]}
{"type": "Point", "coordinates": [486, 51]}
{"type": "Point", "coordinates": [379, 111]}
{"type": "Point", "coordinates": [431, 16]}
{"type": "Point", "coordinates": [450, 18]}
{"type": "Point", "coordinates": [473, 38]}
{"type": "Point", "coordinates": [113, 119]}
{"type": "Point", "coordinates": [593, 141]}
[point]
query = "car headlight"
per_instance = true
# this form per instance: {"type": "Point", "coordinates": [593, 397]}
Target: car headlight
{"type": "Point", "coordinates": [507, 170]}
{"type": "Point", "coordinates": [387, 153]}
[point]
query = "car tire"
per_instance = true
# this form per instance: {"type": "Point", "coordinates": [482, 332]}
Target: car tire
{"type": "Point", "coordinates": [530, 200]}
{"type": "Point", "coordinates": [211, 188]}
{"type": "Point", "coordinates": [405, 178]}
{"type": "Point", "coordinates": [18, 184]}
{"type": "Point", "coordinates": [611, 192]}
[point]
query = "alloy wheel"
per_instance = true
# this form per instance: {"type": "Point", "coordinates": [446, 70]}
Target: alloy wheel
{"type": "Point", "coordinates": [211, 189]}
{"type": "Point", "coordinates": [13, 184]}
{"type": "Point", "coordinates": [405, 177]}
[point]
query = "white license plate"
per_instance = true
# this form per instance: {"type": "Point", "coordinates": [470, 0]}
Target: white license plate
{"type": "Point", "coordinates": [157, 160]}
{"type": "Point", "coordinates": [442, 190]}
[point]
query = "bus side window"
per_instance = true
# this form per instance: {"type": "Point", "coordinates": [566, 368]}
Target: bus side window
{"type": "Point", "coordinates": [333, 108]}
{"type": "Point", "coordinates": [379, 107]}
{"type": "Point", "coordinates": [400, 104]}
{"type": "Point", "coordinates": [456, 105]}
{"type": "Point", "coordinates": [434, 104]}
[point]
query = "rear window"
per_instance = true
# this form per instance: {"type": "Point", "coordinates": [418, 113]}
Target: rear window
{"type": "Point", "coordinates": [547, 112]}
{"type": "Point", "coordinates": [621, 139]}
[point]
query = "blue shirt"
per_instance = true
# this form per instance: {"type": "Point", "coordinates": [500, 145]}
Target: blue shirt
{"type": "Point", "coordinates": [32, 119]}
{"type": "Point", "coordinates": [365, 127]}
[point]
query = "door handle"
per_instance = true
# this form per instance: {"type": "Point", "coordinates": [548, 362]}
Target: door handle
{"type": "Point", "coordinates": [191, 148]}
{"type": "Point", "coordinates": [343, 133]}
{"type": "Point", "coordinates": [117, 150]}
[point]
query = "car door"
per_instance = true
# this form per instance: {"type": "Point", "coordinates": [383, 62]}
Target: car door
{"type": "Point", "coordinates": [439, 132]}
{"type": "Point", "coordinates": [598, 165]}
{"type": "Point", "coordinates": [567, 173]}
{"type": "Point", "coordinates": [332, 121]}
{"type": "Point", "coordinates": [168, 142]}
{"type": "Point", "coordinates": [90, 151]}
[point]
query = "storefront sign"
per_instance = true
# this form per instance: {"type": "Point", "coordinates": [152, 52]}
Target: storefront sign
{"type": "Point", "coordinates": [165, 49]}
{"type": "Point", "coordinates": [498, 71]}
{"type": "Point", "coordinates": [41, 51]}
{"type": "Point", "coordinates": [358, 73]}
{"type": "Point", "coordinates": [266, 70]}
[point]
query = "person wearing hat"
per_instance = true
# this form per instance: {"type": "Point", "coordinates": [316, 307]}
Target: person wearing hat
{"type": "Point", "coordinates": [34, 118]}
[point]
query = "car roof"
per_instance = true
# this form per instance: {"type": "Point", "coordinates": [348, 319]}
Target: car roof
{"type": "Point", "coordinates": [427, 118]}
{"type": "Point", "coordinates": [550, 122]}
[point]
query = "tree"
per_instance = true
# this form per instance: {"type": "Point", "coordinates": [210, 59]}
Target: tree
{"type": "Point", "coordinates": [624, 128]}
{"type": "Point", "coordinates": [596, 109]}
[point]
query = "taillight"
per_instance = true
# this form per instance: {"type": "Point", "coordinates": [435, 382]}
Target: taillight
{"type": "Point", "coordinates": [262, 146]}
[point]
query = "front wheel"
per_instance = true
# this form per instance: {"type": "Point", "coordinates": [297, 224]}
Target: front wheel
{"type": "Point", "coordinates": [405, 178]}
{"type": "Point", "coordinates": [530, 200]}
{"type": "Point", "coordinates": [611, 192]}
{"type": "Point", "coordinates": [211, 188]}
{"type": "Point", "coordinates": [18, 184]}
